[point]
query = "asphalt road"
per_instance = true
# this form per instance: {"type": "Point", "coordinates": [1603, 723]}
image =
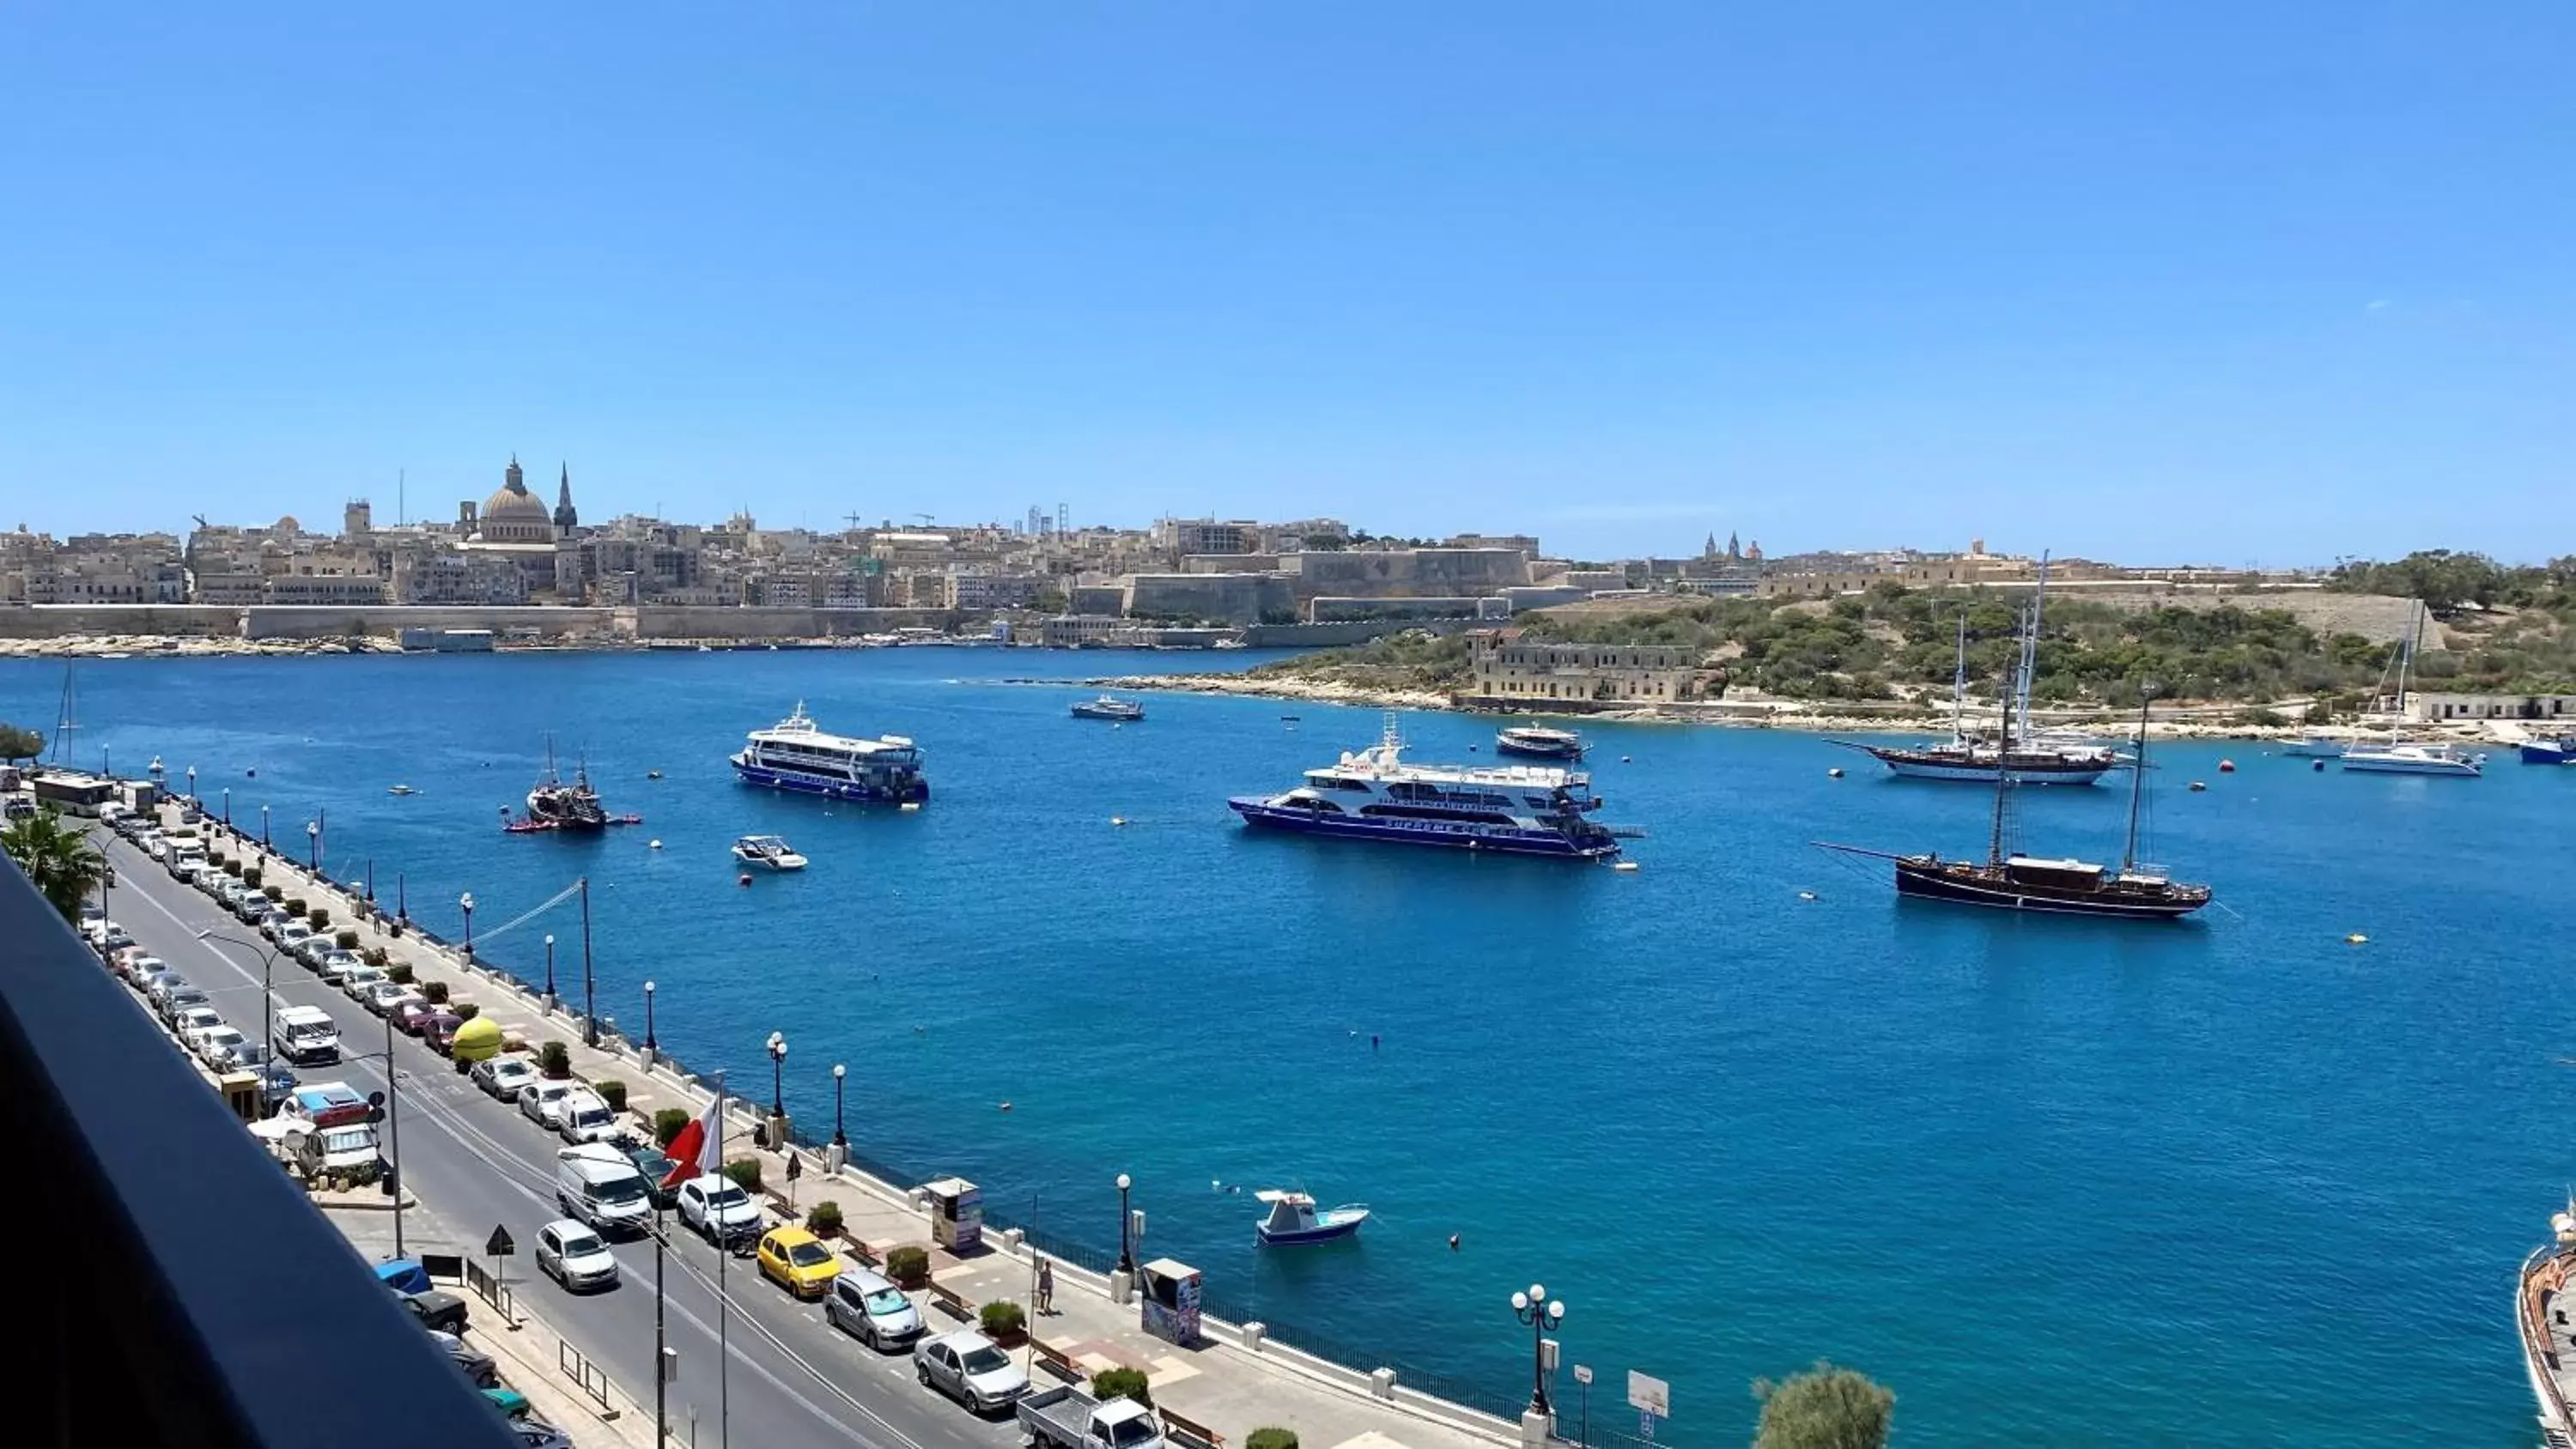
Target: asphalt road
{"type": "Point", "coordinates": [792, 1380]}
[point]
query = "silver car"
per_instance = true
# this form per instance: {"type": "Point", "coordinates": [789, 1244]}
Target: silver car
{"type": "Point", "coordinates": [968, 1367]}
{"type": "Point", "coordinates": [869, 1308]}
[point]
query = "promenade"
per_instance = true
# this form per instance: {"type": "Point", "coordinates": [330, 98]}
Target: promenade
{"type": "Point", "coordinates": [790, 1378]}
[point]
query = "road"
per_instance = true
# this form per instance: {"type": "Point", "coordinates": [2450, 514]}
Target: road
{"type": "Point", "coordinates": [792, 1380]}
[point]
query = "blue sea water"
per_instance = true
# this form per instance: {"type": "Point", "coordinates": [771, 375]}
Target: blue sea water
{"type": "Point", "coordinates": [2236, 1182]}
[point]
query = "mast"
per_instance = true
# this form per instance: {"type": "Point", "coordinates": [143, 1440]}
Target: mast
{"type": "Point", "coordinates": [2003, 748]}
{"type": "Point", "coordinates": [1959, 682]}
{"type": "Point", "coordinates": [2137, 783]}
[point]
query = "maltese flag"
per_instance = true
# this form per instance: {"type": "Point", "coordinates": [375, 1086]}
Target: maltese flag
{"type": "Point", "coordinates": [699, 1149]}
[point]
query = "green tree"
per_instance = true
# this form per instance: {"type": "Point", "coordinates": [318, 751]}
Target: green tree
{"type": "Point", "coordinates": [1823, 1408]}
{"type": "Point", "coordinates": [59, 860]}
{"type": "Point", "coordinates": [18, 743]}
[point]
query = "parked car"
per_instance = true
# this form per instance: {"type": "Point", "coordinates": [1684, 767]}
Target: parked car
{"type": "Point", "coordinates": [868, 1307]}
{"type": "Point", "coordinates": [797, 1261]}
{"type": "Point", "coordinates": [183, 998]}
{"type": "Point", "coordinates": [156, 984]}
{"type": "Point", "coordinates": [291, 934]}
{"type": "Point", "coordinates": [325, 1104]}
{"type": "Point", "coordinates": [310, 949]}
{"type": "Point", "coordinates": [1065, 1417]}
{"type": "Point", "coordinates": [541, 1102]}
{"type": "Point", "coordinates": [335, 965]}
{"type": "Point", "coordinates": [188, 1023]}
{"type": "Point", "coordinates": [272, 921]}
{"type": "Point", "coordinates": [476, 1365]}
{"type": "Point", "coordinates": [440, 1030]}
{"type": "Point", "coordinates": [574, 1256]}
{"type": "Point", "coordinates": [717, 1207]}
{"type": "Point", "coordinates": [967, 1367]}
{"type": "Point", "coordinates": [436, 1308]}
{"type": "Point", "coordinates": [538, 1434]}
{"type": "Point", "coordinates": [216, 1044]}
{"type": "Point", "coordinates": [134, 963]}
{"type": "Point", "coordinates": [583, 1116]}
{"type": "Point", "coordinates": [656, 1166]}
{"type": "Point", "coordinates": [250, 903]}
{"type": "Point", "coordinates": [357, 980]}
{"type": "Point", "coordinates": [502, 1077]}
{"type": "Point", "coordinates": [410, 1014]}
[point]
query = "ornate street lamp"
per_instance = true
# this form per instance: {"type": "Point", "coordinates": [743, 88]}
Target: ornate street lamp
{"type": "Point", "coordinates": [840, 1138]}
{"type": "Point", "coordinates": [313, 847]}
{"type": "Point", "coordinates": [550, 970]}
{"type": "Point", "coordinates": [1126, 1243]}
{"type": "Point", "coordinates": [465, 903]}
{"type": "Point", "coordinates": [778, 1079]}
{"type": "Point", "coordinates": [1541, 1314]}
{"type": "Point", "coordinates": [650, 1045]}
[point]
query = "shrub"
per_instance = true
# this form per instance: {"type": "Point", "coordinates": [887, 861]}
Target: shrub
{"type": "Point", "coordinates": [346, 940]}
{"type": "Point", "coordinates": [319, 919]}
{"type": "Point", "coordinates": [233, 868]}
{"type": "Point", "coordinates": [555, 1060]}
{"type": "Point", "coordinates": [250, 875]}
{"type": "Point", "coordinates": [1002, 1319]}
{"type": "Point", "coordinates": [613, 1092]}
{"type": "Point", "coordinates": [294, 905]}
{"type": "Point", "coordinates": [824, 1219]}
{"type": "Point", "coordinates": [1122, 1383]}
{"type": "Point", "coordinates": [374, 956]}
{"type": "Point", "coordinates": [465, 1010]}
{"type": "Point", "coordinates": [745, 1172]}
{"type": "Point", "coordinates": [399, 971]}
{"type": "Point", "coordinates": [435, 991]}
{"type": "Point", "coordinates": [1829, 1407]}
{"type": "Point", "coordinates": [1271, 1438]}
{"type": "Point", "coordinates": [908, 1265]}
{"type": "Point", "coordinates": [667, 1124]}
{"type": "Point", "coordinates": [274, 893]}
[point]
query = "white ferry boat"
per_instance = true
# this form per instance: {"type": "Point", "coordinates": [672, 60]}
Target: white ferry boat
{"type": "Point", "coordinates": [1374, 795]}
{"type": "Point", "coordinates": [794, 754]}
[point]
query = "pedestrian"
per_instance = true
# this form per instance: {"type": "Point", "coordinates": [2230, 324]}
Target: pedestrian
{"type": "Point", "coordinates": [1046, 1288]}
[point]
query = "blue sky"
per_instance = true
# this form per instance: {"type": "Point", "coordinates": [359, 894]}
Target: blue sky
{"type": "Point", "coordinates": [2223, 282]}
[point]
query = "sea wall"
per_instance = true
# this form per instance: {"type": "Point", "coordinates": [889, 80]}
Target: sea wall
{"type": "Point", "coordinates": [55, 621]}
{"type": "Point", "coordinates": [718, 622]}
{"type": "Point", "coordinates": [1353, 631]}
{"type": "Point", "coordinates": [325, 621]}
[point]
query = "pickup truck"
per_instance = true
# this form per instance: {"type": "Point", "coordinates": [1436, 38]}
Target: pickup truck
{"type": "Point", "coordinates": [1070, 1419]}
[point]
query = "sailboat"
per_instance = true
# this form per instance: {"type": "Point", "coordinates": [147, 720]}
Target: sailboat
{"type": "Point", "coordinates": [2401, 756]}
{"type": "Point", "coordinates": [2040, 760]}
{"type": "Point", "coordinates": [563, 806]}
{"type": "Point", "coordinates": [2009, 880]}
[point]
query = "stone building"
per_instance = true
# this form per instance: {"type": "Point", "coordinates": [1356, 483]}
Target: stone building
{"type": "Point", "coordinates": [2555, 708]}
{"type": "Point", "coordinates": [1511, 670]}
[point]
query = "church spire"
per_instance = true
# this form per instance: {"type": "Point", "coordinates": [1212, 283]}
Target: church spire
{"type": "Point", "coordinates": [565, 519]}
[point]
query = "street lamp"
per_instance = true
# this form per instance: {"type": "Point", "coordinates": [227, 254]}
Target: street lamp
{"type": "Point", "coordinates": [313, 847]}
{"type": "Point", "coordinates": [839, 1138]}
{"type": "Point", "coordinates": [263, 831]}
{"type": "Point", "coordinates": [465, 903]}
{"type": "Point", "coordinates": [228, 807]}
{"type": "Point", "coordinates": [650, 1045]}
{"type": "Point", "coordinates": [192, 784]}
{"type": "Point", "coordinates": [550, 971]}
{"type": "Point", "coordinates": [1126, 1244]}
{"type": "Point", "coordinates": [778, 1078]}
{"type": "Point", "coordinates": [1537, 1310]}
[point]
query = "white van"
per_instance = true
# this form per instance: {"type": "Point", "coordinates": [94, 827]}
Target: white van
{"type": "Point", "coordinates": [598, 1184]}
{"type": "Point", "coordinates": [305, 1035]}
{"type": "Point", "coordinates": [584, 1116]}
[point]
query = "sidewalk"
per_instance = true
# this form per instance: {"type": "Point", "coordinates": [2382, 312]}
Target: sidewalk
{"type": "Point", "coordinates": [1232, 1383]}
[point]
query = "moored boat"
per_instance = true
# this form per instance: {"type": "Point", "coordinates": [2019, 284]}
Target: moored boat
{"type": "Point", "coordinates": [1539, 742]}
{"type": "Point", "coordinates": [2316, 747]}
{"type": "Point", "coordinates": [566, 806]}
{"type": "Point", "coordinates": [1294, 1218]}
{"type": "Point", "coordinates": [796, 754]}
{"type": "Point", "coordinates": [1375, 795]}
{"type": "Point", "coordinates": [2548, 1344]}
{"type": "Point", "coordinates": [2560, 751]}
{"type": "Point", "coordinates": [770, 852]}
{"type": "Point", "coordinates": [2405, 758]}
{"type": "Point", "coordinates": [1108, 707]}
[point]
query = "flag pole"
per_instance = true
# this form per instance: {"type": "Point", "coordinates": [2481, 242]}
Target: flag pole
{"type": "Point", "coordinates": [724, 1250]}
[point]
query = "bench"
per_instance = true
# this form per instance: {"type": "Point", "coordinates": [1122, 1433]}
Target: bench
{"type": "Point", "coordinates": [952, 1300]}
{"type": "Point", "coordinates": [1190, 1432]}
{"type": "Point", "coordinates": [1055, 1361]}
{"type": "Point", "coordinates": [861, 1251]}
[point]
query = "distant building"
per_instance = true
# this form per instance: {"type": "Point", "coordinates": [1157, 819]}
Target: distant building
{"type": "Point", "coordinates": [1178, 536]}
{"type": "Point", "coordinates": [1510, 669]}
{"type": "Point", "coordinates": [2425, 705]}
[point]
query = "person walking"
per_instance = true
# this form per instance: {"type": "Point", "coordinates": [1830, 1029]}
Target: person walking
{"type": "Point", "coordinates": [1046, 1288]}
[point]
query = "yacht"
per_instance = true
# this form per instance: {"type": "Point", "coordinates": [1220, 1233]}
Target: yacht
{"type": "Point", "coordinates": [2548, 1344]}
{"type": "Point", "coordinates": [770, 851]}
{"type": "Point", "coordinates": [796, 754]}
{"type": "Point", "coordinates": [1539, 742]}
{"type": "Point", "coordinates": [1108, 707]}
{"type": "Point", "coordinates": [2560, 751]}
{"type": "Point", "coordinates": [2316, 747]}
{"type": "Point", "coordinates": [2021, 755]}
{"type": "Point", "coordinates": [1375, 795]}
{"type": "Point", "coordinates": [2401, 758]}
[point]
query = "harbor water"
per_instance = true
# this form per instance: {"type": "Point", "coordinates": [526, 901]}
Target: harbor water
{"type": "Point", "coordinates": [2233, 1182]}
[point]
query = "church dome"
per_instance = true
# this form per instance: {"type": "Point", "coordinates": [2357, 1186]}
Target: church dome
{"type": "Point", "coordinates": [514, 501]}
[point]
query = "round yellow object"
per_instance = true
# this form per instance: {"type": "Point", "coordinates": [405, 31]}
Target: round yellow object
{"type": "Point", "coordinates": [476, 1040]}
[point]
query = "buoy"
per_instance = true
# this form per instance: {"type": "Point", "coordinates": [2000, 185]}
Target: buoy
{"type": "Point", "coordinates": [2199, 785]}
{"type": "Point", "coordinates": [1835, 773]}
{"type": "Point", "coordinates": [1806, 895]}
{"type": "Point", "coordinates": [1623, 759]}
{"type": "Point", "coordinates": [743, 879]}
{"type": "Point", "coordinates": [252, 773]}
{"type": "Point", "coordinates": [652, 774]}
{"type": "Point", "coordinates": [1117, 819]}
{"type": "Point", "coordinates": [1624, 865]}
{"type": "Point", "coordinates": [2227, 767]}
{"type": "Point", "coordinates": [652, 845]}
{"type": "Point", "coordinates": [2317, 765]}
{"type": "Point", "coordinates": [2356, 939]}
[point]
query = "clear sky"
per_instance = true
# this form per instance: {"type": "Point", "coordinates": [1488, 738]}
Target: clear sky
{"type": "Point", "coordinates": [2226, 282]}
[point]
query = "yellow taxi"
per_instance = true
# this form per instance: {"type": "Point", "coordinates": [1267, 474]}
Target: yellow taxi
{"type": "Point", "coordinates": [797, 1261]}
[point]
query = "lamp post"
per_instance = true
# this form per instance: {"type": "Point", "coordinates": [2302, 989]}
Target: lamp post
{"type": "Point", "coordinates": [777, 1077]}
{"type": "Point", "coordinates": [1541, 1314]}
{"type": "Point", "coordinates": [192, 784]}
{"type": "Point", "coordinates": [263, 832]}
{"type": "Point", "coordinates": [840, 1138]}
{"type": "Point", "coordinates": [650, 1044]}
{"type": "Point", "coordinates": [1126, 1243]}
{"type": "Point", "coordinates": [465, 903]}
{"type": "Point", "coordinates": [228, 807]}
{"type": "Point", "coordinates": [589, 1005]}
{"type": "Point", "coordinates": [313, 848]}
{"type": "Point", "coordinates": [550, 970]}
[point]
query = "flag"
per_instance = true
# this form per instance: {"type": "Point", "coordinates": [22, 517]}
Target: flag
{"type": "Point", "coordinates": [699, 1147]}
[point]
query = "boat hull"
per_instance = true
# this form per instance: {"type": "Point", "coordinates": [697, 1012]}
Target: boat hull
{"type": "Point", "coordinates": [1320, 1233]}
{"type": "Point", "coordinates": [1906, 765]}
{"type": "Point", "coordinates": [1122, 716]}
{"type": "Point", "coordinates": [2549, 752]}
{"type": "Point", "coordinates": [2543, 1278]}
{"type": "Point", "coordinates": [2456, 769]}
{"type": "Point", "coordinates": [905, 792]}
{"type": "Point", "coordinates": [1456, 835]}
{"type": "Point", "coordinates": [1929, 882]}
{"type": "Point", "coordinates": [2314, 749]}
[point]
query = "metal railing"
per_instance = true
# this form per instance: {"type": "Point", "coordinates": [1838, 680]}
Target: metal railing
{"type": "Point", "coordinates": [586, 1375]}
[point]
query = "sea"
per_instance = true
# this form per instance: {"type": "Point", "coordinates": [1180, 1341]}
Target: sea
{"type": "Point", "coordinates": [2261, 1178]}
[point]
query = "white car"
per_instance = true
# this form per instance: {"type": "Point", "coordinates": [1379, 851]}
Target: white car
{"type": "Point", "coordinates": [382, 997]}
{"type": "Point", "coordinates": [335, 964]}
{"type": "Point", "coordinates": [571, 1254]}
{"type": "Point", "coordinates": [541, 1102]}
{"type": "Point", "coordinates": [193, 1023]}
{"type": "Point", "coordinates": [584, 1116]}
{"type": "Point", "coordinates": [154, 845]}
{"type": "Point", "coordinates": [310, 949]}
{"type": "Point", "coordinates": [217, 1043]}
{"type": "Point", "coordinates": [293, 934]}
{"type": "Point", "coordinates": [968, 1367]}
{"type": "Point", "coordinates": [718, 1207]}
{"type": "Point", "coordinates": [358, 979]}
{"type": "Point", "coordinates": [502, 1077]}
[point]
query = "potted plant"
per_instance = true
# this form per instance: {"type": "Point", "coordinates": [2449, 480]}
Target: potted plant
{"type": "Point", "coordinates": [294, 905]}
{"type": "Point", "coordinates": [1003, 1321]}
{"type": "Point", "coordinates": [1271, 1437]}
{"type": "Point", "coordinates": [399, 971]}
{"type": "Point", "coordinates": [667, 1124]}
{"type": "Point", "coordinates": [909, 1265]}
{"type": "Point", "coordinates": [555, 1060]}
{"type": "Point", "coordinates": [823, 1220]}
{"type": "Point", "coordinates": [1122, 1383]}
{"type": "Point", "coordinates": [250, 875]}
{"type": "Point", "coordinates": [374, 956]}
{"type": "Point", "coordinates": [745, 1172]}
{"type": "Point", "coordinates": [274, 893]}
{"type": "Point", "coordinates": [320, 919]}
{"type": "Point", "coordinates": [611, 1091]}
{"type": "Point", "coordinates": [346, 940]}
{"type": "Point", "coordinates": [465, 1010]}
{"type": "Point", "coordinates": [435, 992]}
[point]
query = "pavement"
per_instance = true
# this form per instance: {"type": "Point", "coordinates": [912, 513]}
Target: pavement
{"type": "Point", "coordinates": [787, 1379]}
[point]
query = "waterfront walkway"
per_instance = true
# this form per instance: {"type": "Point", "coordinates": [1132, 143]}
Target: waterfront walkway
{"type": "Point", "coordinates": [1234, 1381]}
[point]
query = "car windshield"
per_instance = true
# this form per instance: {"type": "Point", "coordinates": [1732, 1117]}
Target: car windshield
{"type": "Point", "coordinates": [654, 1165]}
{"type": "Point", "coordinates": [582, 1245]}
{"type": "Point", "coordinates": [809, 1255]}
{"type": "Point", "coordinates": [1131, 1431]}
{"type": "Point", "coordinates": [727, 1196]}
{"type": "Point", "coordinates": [590, 1117]}
{"type": "Point", "coordinates": [986, 1360]}
{"type": "Point", "coordinates": [887, 1301]}
{"type": "Point", "coordinates": [619, 1189]}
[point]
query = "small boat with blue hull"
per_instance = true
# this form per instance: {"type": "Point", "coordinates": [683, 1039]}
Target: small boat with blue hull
{"type": "Point", "coordinates": [795, 754]}
{"type": "Point", "coordinates": [1109, 707]}
{"type": "Point", "coordinates": [2560, 751]}
{"type": "Point", "coordinates": [1295, 1219]}
{"type": "Point", "coordinates": [1375, 795]}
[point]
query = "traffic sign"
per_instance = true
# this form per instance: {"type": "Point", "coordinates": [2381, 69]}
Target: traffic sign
{"type": "Point", "coordinates": [1583, 1373]}
{"type": "Point", "coordinates": [500, 1245]}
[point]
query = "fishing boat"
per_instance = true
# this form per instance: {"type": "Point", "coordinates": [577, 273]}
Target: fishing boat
{"type": "Point", "coordinates": [770, 852]}
{"type": "Point", "coordinates": [796, 754]}
{"type": "Point", "coordinates": [1376, 795]}
{"type": "Point", "coordinates": [2042, 758]}
{"type": "Point", "coordinates": [2399, 755]}
{"type": "Point", "coordinates": [1539, 742]}
{"type": "Point", "coordinates": [1108, 707]}
{"type": "Point", "coordinates": [563, 805]}
{"type": "Point", "coordinates": [2548, 1344]}
{"type": "Point", "coordinates": [1294, 1219]}
{"type": "Point", "coordinates": [2009, 880]}
{"type": "Point", "coordinates": [2560, 751]}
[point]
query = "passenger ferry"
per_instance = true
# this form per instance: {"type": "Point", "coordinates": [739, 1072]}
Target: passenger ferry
{"type": "Point", "coordinates": [796, 755]}
{"type": "Point", "coordinates": [1374, 795]}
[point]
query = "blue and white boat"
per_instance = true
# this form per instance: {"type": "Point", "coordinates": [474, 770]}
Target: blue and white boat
{"type": "Point", "coordinates": [795, 754]}
{"type": "Point", "coordinates": [1294, 1218]}
{"type": "Point", "coordinates": [1375, 795]}
{"type": "Point", "coordinates": [2560, 751]}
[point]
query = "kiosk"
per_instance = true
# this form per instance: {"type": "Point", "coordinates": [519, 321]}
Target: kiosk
{"type": "Point", "coordinates": [956, 1214]}
{"type": "Point", "coordinates": [1172, 1301]}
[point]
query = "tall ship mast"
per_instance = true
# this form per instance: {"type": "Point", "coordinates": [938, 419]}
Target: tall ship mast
{"type": "Point", "coordinates": [1966, 758]}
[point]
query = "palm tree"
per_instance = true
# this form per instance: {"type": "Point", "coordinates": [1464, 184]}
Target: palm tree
{"type": "Point", "coordinates": [59, 860]}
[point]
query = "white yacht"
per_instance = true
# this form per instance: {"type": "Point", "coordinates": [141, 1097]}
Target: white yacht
{"type": "Point", "coordinates": [797, 754]}
{"type": "Point", "coordinates": [2401, 758]}
{"type": "Point", "coordinates": [769, 851]}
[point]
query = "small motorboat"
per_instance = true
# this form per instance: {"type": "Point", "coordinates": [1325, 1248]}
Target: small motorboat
{"type": "Point", "coordinates": [400, 790]}
{"type": "Point", "coordinates": [1109, 707]}
{"type": "Point", "coordinates": [1294, 1219]}
{"type": "Point", "coordinates": [767, 850]}
{"type": "Point", "coordinates": [2316, 747]}
{"type": "Point", "coordinates": [2550, 752]}
{"type": "Point", "coordinates": [1539, 742]}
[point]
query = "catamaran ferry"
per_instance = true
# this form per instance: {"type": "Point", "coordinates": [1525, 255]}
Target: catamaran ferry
{"type": "Point", "coordinates": [795, 755]}
{"type": "Point", "coordinates": [1374, 795]}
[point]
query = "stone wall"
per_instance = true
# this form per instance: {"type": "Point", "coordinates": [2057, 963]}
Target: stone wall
{"type": "Point", "coordinates": [1355, 631]}
{"type": "Point", "coordinates": [1229, 598]}
{"type": "Point", "coordinates": [1327, 609]}
{"type": "Point", "coordinates": [55, 621]}
{"type": "Point", "coordinates": [720, 622]}
{"type": "Point", "coordinates": [322, 621]}
{"type": "Point", "coordinates": [1405, 572]}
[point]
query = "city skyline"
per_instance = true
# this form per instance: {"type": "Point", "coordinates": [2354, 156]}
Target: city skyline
{"type": "Point", "coordinates": [2073, 281]}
